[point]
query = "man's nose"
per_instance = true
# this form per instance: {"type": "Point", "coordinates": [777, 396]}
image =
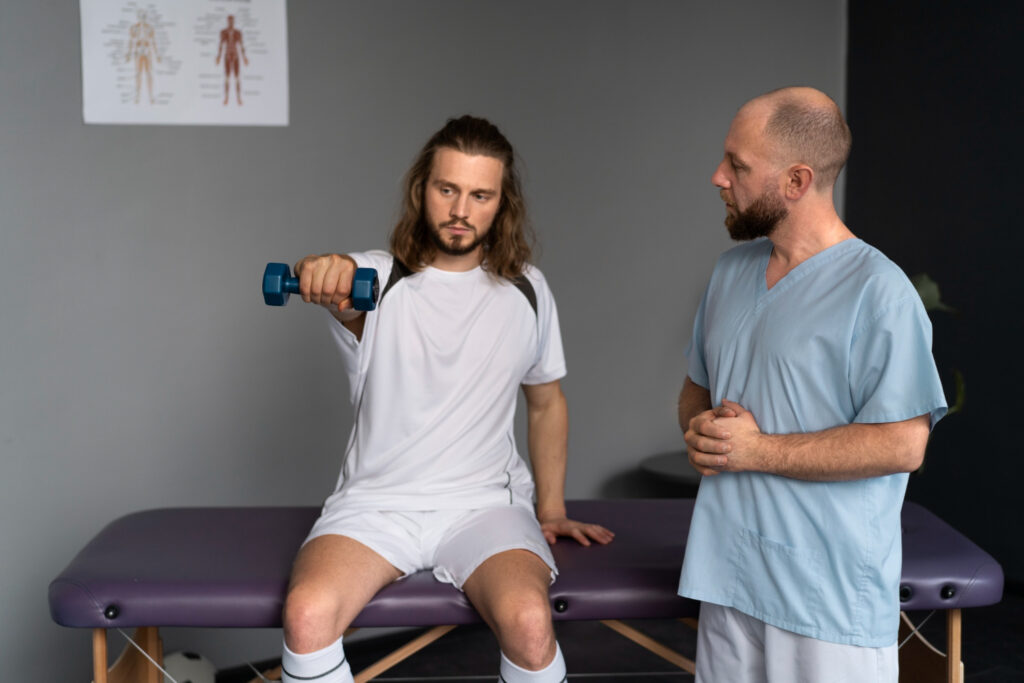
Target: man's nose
{"type": "Point", "coordinates": [718, 178]}
{"type": "Point", "coordinates": [460, 207]}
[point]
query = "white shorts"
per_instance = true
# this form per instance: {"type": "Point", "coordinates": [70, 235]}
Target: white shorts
{"type": "Point", "coordinates": [733, 647]}
{"type": "Point", "coordinates": [451, 542]}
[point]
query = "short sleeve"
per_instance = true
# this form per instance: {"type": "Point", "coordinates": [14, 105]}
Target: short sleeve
{"type": "Point", "coordinates": [892, 372]}
{"type": "Point", "coordinates": [549, 361]}
{"type": "Point", "coordinates": [697, 369]}
{"type": "Point", "coordinates": [349, 346]}
{"type": "Point", "coordinates": [379, 260]}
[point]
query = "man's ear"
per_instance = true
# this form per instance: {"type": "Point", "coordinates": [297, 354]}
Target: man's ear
{"type": "Point", "coordinates": [799, 179]}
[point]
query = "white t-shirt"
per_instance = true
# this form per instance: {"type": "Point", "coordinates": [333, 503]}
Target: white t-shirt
{"type": "Point", "coordinates": [434, 381]}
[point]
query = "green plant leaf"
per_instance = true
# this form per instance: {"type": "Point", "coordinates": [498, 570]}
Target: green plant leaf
{"type": "Point", "coordinates": [961, 393]}
{"type": "Point", "coordinates": [928, 290]}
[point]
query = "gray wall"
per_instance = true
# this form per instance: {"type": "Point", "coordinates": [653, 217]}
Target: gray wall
{"type": "Point", "coordinates": [140, 367]}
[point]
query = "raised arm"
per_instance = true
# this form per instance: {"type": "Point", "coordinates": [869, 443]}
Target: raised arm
{"type": "Point", "coordinates": [326, 280]}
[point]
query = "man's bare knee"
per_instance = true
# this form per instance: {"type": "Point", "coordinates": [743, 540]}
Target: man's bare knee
{"type": "Point", "coordinates": [524, 629]}
{"type": "Point", "coordinates": [310, 621]}
{"type": "Point", "coordinates": [333, 579]}
{"type": "Point", "coordinates": [510, 590]}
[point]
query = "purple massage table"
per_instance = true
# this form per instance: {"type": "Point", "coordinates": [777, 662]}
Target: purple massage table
{"type": "Point", "coordinates": [229, 567]}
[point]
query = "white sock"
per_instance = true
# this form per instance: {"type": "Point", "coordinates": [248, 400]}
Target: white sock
{"type": "Point", "coordinates": [552, 673]}
{"type": "Point", "coordinates": [323, 666]}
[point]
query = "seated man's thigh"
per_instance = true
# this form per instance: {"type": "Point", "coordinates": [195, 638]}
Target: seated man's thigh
{"type": "Point", "coordinates": [500, 558]}
{"type": "Point", "coordinates": [478, 535]}
{"type": "Point", "coordinates": [336, 573]}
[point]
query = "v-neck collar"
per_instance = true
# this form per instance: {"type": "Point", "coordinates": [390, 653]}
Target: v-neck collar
{"type": "Point", "coordinates": [763, 295]}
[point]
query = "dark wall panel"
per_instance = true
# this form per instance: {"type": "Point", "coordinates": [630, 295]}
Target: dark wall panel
{"type": "Point", "coordinates": [935, 181]}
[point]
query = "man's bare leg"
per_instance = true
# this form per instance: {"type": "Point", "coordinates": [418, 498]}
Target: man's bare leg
{"type": "Point", "coordinates": [510, 590]}
{"type": "Point", "coordinates": [333, 579]}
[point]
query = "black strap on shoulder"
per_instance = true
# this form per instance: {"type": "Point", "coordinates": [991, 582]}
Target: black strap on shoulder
{"type": "Point", "coordinates": [524, 286]}
{"type": "Point", "coordinates": [400, 270]}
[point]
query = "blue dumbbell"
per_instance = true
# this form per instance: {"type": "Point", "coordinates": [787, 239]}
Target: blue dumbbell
{"type": "Point", "coordinates": [278, 283]}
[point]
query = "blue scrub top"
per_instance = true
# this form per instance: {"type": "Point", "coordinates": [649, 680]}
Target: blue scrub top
{"type": "Point", "coordinates": [843, 338]}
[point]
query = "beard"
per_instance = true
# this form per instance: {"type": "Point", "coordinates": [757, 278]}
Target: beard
{"type": "Point", "coordinates": [455, 246]}
{"type": "Point", "coordinates": [757, 220]}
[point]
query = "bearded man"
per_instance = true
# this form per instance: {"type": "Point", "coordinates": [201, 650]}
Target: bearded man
{"type": "Point", "coordinates": [431, 477]}
{"type": "Point", "coordinates": [809, 396]}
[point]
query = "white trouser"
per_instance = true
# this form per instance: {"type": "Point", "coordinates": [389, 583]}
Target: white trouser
{"type": "Point", "coordinates": [733, 647]}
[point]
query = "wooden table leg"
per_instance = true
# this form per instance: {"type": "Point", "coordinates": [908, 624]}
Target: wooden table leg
{"type": "Point", "coordinates": [651, 645]}
{"type": "Point", "coordinates": [954, 627]}
{"type": "Point", "coordinates": [149, 638]}
{"type": "Point", "coordinates": [131, 666]}
{"type": "Point", "coordinates": [402, 653]}
{"type": "Point", "coordinates": [99, 655]}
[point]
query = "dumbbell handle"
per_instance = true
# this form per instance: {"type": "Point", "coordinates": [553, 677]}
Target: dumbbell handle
{"type": "Point", "coordinates": [290, 285]}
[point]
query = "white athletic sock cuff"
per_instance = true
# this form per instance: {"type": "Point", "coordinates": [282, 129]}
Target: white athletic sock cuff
{"type": "Point", "coordinates": [323, 666]}
{"type": "Point", "coordinates": [553, 673]}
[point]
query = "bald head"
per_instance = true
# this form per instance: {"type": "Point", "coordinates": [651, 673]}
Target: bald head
{"type": "Point", "coordinates": [804, 125]}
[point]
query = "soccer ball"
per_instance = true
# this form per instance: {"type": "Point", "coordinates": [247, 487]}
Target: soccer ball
{"type": "Point", "coordinates": [188, 667]}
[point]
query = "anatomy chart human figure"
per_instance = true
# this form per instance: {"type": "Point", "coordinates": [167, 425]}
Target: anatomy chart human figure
{"type": "Point", "coordinates": [230, 46]}
{"type": "Point", "coordinates": [142, 48]}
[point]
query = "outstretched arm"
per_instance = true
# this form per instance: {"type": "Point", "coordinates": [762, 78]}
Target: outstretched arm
{"type": "Point", "coordinates": [548, 436]}
{"type": "Point", "coordinates": [326, 280]}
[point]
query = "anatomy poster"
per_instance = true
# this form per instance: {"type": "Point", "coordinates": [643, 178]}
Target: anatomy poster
{"type": "Point", "coordinates": [200, 62]}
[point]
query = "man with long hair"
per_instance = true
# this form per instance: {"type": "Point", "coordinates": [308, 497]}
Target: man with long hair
{"type": "Point", "coordinates": [809, 396]}
{"type": "Point", "coordinates": [431, 478]}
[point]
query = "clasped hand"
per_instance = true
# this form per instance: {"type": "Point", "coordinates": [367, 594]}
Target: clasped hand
{"type": "Point", "coordinates": [723, 439]}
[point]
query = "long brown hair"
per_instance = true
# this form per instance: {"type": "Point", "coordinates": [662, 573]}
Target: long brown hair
{"type": "Point", "coordinates": [508, 245]}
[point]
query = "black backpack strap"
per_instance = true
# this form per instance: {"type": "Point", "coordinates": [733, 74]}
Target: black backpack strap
{"type": "Point", "coordinates": [524, 286]}
{"type": "Point", "coordinates": [398, 271]}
